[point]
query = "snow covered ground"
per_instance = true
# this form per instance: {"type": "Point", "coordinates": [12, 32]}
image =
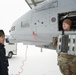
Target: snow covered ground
{"type": "Point", "coordinates": [37, 63]}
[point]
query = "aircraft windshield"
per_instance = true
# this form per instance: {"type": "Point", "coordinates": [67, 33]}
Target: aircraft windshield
{"type": "Point", "coordinates": [33, 3]}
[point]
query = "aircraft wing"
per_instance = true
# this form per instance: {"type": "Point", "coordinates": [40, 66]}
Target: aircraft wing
{"type": "Point", "coordinates": [33, 3]}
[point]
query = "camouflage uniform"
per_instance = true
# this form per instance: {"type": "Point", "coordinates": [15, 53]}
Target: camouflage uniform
{"type": "Point", "coordinates": [66, 61]}
{"type": "Point", "coordinates": [67, 64]}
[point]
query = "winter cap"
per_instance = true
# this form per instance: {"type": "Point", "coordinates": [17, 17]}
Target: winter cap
{"type": "Point", "coordinates": [2, 32]}
{"type": "Point", "coordinates": [68, 21]}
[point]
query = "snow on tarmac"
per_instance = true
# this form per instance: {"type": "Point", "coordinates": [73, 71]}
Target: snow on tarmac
{"type": "Point", "coordinates": [36, 62]}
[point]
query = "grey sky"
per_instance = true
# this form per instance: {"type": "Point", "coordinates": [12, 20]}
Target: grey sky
{"type": "Point", "coordinates": [10, 10]}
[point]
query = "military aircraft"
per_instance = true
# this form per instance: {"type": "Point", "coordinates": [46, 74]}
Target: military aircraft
{"type": "Point", "coordinates": [43, 22]}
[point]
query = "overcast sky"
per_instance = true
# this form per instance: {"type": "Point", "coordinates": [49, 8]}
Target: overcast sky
{"type": "Point", "coordinates": [10, 10]}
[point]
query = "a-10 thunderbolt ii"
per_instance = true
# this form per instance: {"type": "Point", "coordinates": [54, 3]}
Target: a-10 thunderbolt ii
{"type": "Point", "coordinates": [43, 22]}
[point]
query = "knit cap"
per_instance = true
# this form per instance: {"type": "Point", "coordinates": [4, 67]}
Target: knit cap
{"type": "Point", "coordinates": [68, 21]}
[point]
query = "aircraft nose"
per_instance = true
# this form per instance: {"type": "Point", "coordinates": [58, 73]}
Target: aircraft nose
{"type": "Point", "coordinates": [9, 31]}
{"type": "Point", "coordinates": [12, 28]}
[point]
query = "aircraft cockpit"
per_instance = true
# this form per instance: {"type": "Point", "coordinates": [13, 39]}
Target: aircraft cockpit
{"type": "Point", "coordinates": [67, 15]}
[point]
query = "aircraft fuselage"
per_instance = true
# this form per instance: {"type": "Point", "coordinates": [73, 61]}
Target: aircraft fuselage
{"type": "Point", "coordinates": [40, 25]}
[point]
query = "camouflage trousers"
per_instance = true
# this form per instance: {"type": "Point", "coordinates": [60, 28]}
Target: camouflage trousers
{"type": "Point", "coordinates": [67, 64]}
